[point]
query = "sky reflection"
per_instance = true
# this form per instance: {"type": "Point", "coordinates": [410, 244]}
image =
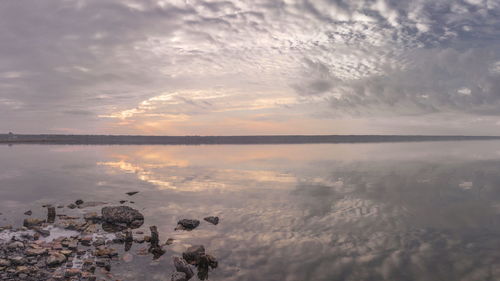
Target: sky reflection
{"type": "Point", "coordinates": [414, 211]}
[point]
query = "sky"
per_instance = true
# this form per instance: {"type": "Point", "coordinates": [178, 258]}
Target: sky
{"type": "Point", "coordinates": [200, 67]}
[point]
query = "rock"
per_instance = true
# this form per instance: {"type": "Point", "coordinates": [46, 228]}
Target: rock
{"type": "Point", "coordinates": [204, 263]}
{"type": "Point", "coordinates": [92, 216]}
{"type": "Point", "coordinates": [79, 202]}
{"type": "Point", "coordinates": [212, 220]}
{"type": "Point", "coordinates": [51, 214]}
{"type": "Point", "coordinates": [193, 254]}
{"type": "Point", "coordinates": [22, 269]}
{"type": "Point", "coordinates": [104, 263]}
{"type": "Point", "coordinates": [71, 272]}
{"type": "Point", "coordinates": [4, 263]}
{"type": "Point", "coordinates": [56, 259]}
{"type": "Point", "coordinates": [129, 239]}
{"type": "Point", "coordinates": [15, 245]}
{"type": "Point", "coordinates": [182, 266]}
{"type": "Point", "coordinates": [113, 227]}
{"type": "Point", "coordinates": [91, 228]}
{"type": "Point", "coordinates": [28, 213]}
{"type": "Point", "coordinates": [155, 247]}
{"type": "Point", "coordinates": [186, 224]}
{"type": "Point", "coordinates": [128, 236]}
{"type": "Point", "coordinates": [132, 193]}
{"type": "Point", "coordinates": [70, 224]}
{"type": "Point", "coordinates": [31, 222]}
{"type": "Point", "coordinates": [17, 260]}
{"type": "Point", "coordinates": [36, 251]}
{"type": "Point", "coordinates": [122, 215]}
{"type": "Point", "coordinates": [210, 261]}
{"type": "Point", "coordinates": [86, 240]}
{"type": "Point", "coordinates": [122, 201]}
{"type": "Point", "coordinates": [170, 241]}
{"type": "Point", "coordinates": [42, 232]}
{"type": "Point", "coordinates": [72, 206]}
{"type": "Point", "coordinates": [7, 227]}
{"type": "Point", "coordinates": [179, 276]}
{"type": "Point", "coordinates": [105, 252]}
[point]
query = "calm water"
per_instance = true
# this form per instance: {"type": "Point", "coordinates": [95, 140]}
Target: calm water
{"type": "Point", "coordinates": [400, 211]}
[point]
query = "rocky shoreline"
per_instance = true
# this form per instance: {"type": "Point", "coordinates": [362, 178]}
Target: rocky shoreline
{"type": "Point", "coordinates": [63, 247]}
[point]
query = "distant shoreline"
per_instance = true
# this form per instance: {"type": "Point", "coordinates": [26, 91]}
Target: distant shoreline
{"type": "Point", "coordinates": [200, 140]}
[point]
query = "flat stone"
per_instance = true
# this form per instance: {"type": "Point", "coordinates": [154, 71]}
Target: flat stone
{"type": "Point", "coordinates": [105, 252]}
{"type": "Point", "coordinates": [132, 193]}
{"type": "Point", "coordinates": [55, 259]}
{"type": "Point", "coordinates": [31, 222]}
{"type": "Point", "coordinates": [22, 269]}
{"type": "Point", "coordinates": [36, 251]}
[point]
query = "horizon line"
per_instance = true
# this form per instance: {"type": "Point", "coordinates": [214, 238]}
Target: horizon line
{"type": "Point", "coordinates": [202, 140]}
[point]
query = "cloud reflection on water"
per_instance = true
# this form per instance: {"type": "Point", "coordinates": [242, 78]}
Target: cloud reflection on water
{"type": "Point", "coordinates": [415, 211]}
{"type": "Point", "coordinates": [327, 216]}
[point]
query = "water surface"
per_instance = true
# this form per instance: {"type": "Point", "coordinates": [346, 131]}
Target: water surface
{"type": "Point", "coordinates": [394, 211]}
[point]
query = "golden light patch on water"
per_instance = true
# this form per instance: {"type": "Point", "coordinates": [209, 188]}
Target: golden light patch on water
{"type": "Point", "coordinates": [183, 178]}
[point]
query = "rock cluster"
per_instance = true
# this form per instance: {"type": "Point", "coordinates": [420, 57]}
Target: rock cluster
{"type": "Point", "coordinates": [28, 256]}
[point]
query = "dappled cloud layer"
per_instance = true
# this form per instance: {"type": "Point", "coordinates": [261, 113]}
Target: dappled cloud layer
{"type": "Point", "coordinates": [250, 67]}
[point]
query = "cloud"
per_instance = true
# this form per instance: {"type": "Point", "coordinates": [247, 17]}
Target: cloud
{"type": "Point", "coordinates": [347, 57]}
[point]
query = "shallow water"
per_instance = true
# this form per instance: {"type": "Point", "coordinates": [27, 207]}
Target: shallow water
{"type": "Point", "coordinates": [395, 211]}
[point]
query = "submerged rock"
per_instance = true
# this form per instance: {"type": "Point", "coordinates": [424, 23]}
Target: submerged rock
{"type": "Point", "coordinates": [132, 193]}
{"type": "Point", "coordinates": [212, 220]}
{"type": "Point", "coordinates": [186, 224]}
{"type": "Point", "coordinates": [28, 213]}
{"type": "Point", "coordinates": [122, 215]}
